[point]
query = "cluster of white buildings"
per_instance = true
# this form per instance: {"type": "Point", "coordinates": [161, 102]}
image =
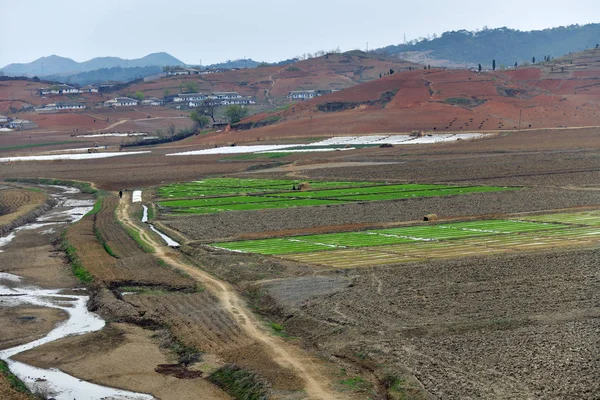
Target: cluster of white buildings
{"type": "Point", "coordinates": [61, 106]}
{"type": "Point", "coordinates": [66, 89]}
{"type": "Point", "coordinates": [193, 71]}
{"type": "Point", "coordinates": [129, 102]}
{"type": "Point", "coordinates": [121, 102]}
{"type": "Point", "coordinates": [306, 94]}
{"type": "Point", "coordinates": [8, 124]}
{"type": "Point", "coordinates": [214, 99]}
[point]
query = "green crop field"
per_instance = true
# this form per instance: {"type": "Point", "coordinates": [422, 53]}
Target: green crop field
{"type": "Point", "coordinates": [415, 243]}
{"type": "Point", "coordinates": [235, 194]}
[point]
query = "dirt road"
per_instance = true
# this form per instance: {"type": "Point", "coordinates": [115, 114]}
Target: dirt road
{"type": "Point", "coordinates": [316, 385]}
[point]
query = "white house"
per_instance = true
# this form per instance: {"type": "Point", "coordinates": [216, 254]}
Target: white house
{"type": "Point", "coordinates": [59, 106]}
{"type": "Point", "coordinates": [152, 101]}
{"type": "Point", "coordinates": [59, 89]}
{"type": "Point", "coordinates": [121, 102]}
{"type": "Point", "coordinates": [239, 101]}
{"type": "Point", "coordinates": [211, 71]}
{"type": "Point", "coordinates": [182, 71]}
{"type": "Point", "coordinates": [89, 89]}
{"type": "Point", "coordinates": [4, 119]}
{"type": "Point", "coordinates": [189, 97]}
{"type": "Point", "coordinates": [302, 94]}
{"type": "Point", "coordinates": [225, 95]}
{"type": "Point", "coordinates": [21, 124]}
{"type": "Point", "coordinates": [222, 99]}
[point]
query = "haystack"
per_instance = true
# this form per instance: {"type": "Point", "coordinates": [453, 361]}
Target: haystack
{"type": "Point", "coordinates": [430, 217]}
{"type": "Point", "coordinates": [304, 186]}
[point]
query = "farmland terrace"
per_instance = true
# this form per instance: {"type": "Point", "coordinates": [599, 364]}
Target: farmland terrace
{"type": "Point", "coordinates": [350, 294]}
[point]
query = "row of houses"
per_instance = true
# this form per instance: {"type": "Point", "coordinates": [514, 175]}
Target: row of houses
{"type": "Point", "coordinates": [194, 71]}
{"type": "Point", "coordinates": [129, 102]}
{"type": "Point", "coordinates": [66, 89]}
{"type": "Point", "coordinates": [306, 94]}
{"type": "Point", "coordinates": [214, 99]}
{"type": "Point", "coordinates": [61, 106]}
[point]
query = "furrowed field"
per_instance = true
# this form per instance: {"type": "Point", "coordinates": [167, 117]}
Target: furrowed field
{"type": "Point", "coordinates": [226, 194]}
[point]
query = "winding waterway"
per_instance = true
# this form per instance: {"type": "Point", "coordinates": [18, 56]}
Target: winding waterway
{"type": "Point", "coordinates": [14, 292]}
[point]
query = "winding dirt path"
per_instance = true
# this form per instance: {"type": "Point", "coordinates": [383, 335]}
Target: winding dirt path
{"type": "Point", "coordinates": [316, 384]}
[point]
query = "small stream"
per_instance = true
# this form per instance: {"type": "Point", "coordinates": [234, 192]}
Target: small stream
{"type": "Point", "coordinates": [53, 382]}
{"type": "Point", "coordinates": [170, 242]}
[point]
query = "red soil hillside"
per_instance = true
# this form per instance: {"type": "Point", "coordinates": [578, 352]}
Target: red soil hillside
{"type": "Point", "coordinates": [272, 84]}
{"type": "Point", "coordinates": [563, 92]}
{"type": "Point", "coordinates": [14, 94]}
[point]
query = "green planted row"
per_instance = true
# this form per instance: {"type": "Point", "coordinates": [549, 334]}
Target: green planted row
{"type": "Point", "coordinates": [382, 237]}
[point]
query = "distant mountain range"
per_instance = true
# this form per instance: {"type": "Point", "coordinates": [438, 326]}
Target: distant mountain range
{"type": "Point", "coordinates": [506, 46]}
{"type": "Point", "coordinates": [61, 66]}
{"type": "Point", "coordinates": [452, 49]}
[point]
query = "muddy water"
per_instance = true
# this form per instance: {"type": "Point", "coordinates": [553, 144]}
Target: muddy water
{"type": "Point", "coordinates": [169, 241]}
{"type": "Point", "coordinates": [14, 292]}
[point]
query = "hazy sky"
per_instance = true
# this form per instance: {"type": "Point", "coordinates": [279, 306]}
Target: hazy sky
{"type": "Point", "coordinates": [268, 30]}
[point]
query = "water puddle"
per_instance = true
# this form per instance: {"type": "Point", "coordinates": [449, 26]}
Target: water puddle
{"type": "Point", "coordinates": [170, 242]}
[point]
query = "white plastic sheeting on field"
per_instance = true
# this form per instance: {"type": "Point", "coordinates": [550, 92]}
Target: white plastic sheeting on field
{"type": "Point", "coordinates": [136, 196]}
{"type": "Point", "coordinates": [85, 156]}
{"type": "Point", "coordinates": [335, 141]}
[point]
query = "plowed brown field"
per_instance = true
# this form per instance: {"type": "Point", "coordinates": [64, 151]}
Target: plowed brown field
{"type": "Point", "coordinates": [17, 202]}
{"type": "Point", "coordinates": [132, 267]}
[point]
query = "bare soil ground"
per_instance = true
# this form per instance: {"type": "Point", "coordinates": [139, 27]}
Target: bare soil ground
{"type": "Point", "coordinates": [124, 356]}
{"type": "Point", "coordinates": [517, 326]}
{"type": "Point", "coordinates": [16, 202]}
{"type": "Point", "coordinates": [19, 325]}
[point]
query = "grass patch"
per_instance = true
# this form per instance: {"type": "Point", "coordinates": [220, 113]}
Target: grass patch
{"type": "Point", "coordinates": [279, 330]}
{"type": "Point", "coordinates": [186, 354]}
{"type": "Point", "coordinates": [356, 383]}
{"type": "Point", "coordinates": [27, 146]}
{"type": "Point", "coordinates": [254, 156]}
{"type": "Point", "coordinates": [464, 102]}
{"type": "Point", "coordinates": [12, 379]}
{"type": "Point", "coordinates": [97, 207]}
{"type": "Point", "coordinates": [150, 212]}
{"type": "Point", "coordinates": [105, 245]}
{"type": "Point", "coordinates": [239, 383]}
{"type": "Point", "coordinates": [135, 235]}
{"type": "Point", "coordinates": [76, 265]}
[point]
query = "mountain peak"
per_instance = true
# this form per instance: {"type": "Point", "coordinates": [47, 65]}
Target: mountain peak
{"type": "Point", "coordinates": [58, 65]}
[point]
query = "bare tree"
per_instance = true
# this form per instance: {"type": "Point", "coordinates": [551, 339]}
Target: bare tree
{"type": "Point", "coordinates": [208, 108]}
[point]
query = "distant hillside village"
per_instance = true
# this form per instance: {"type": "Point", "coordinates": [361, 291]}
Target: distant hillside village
{"type": "Point", "coordinates": [190, 100]}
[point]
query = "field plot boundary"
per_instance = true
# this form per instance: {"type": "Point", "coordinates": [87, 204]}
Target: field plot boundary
{"type": "Point", "coordinates": [231, 194]}
{"type": "Point", "coordinates": [423, 242]}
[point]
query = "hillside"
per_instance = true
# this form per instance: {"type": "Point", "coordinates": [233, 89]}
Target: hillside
{"type": "Point", "coordinates": [505, 45]}
{"type": "Point", "coordinates": [270, 84]}
{"type": "Point", "coordinates": [563, 92]}
{"type": "Point", "coordinates": [61, 66]}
